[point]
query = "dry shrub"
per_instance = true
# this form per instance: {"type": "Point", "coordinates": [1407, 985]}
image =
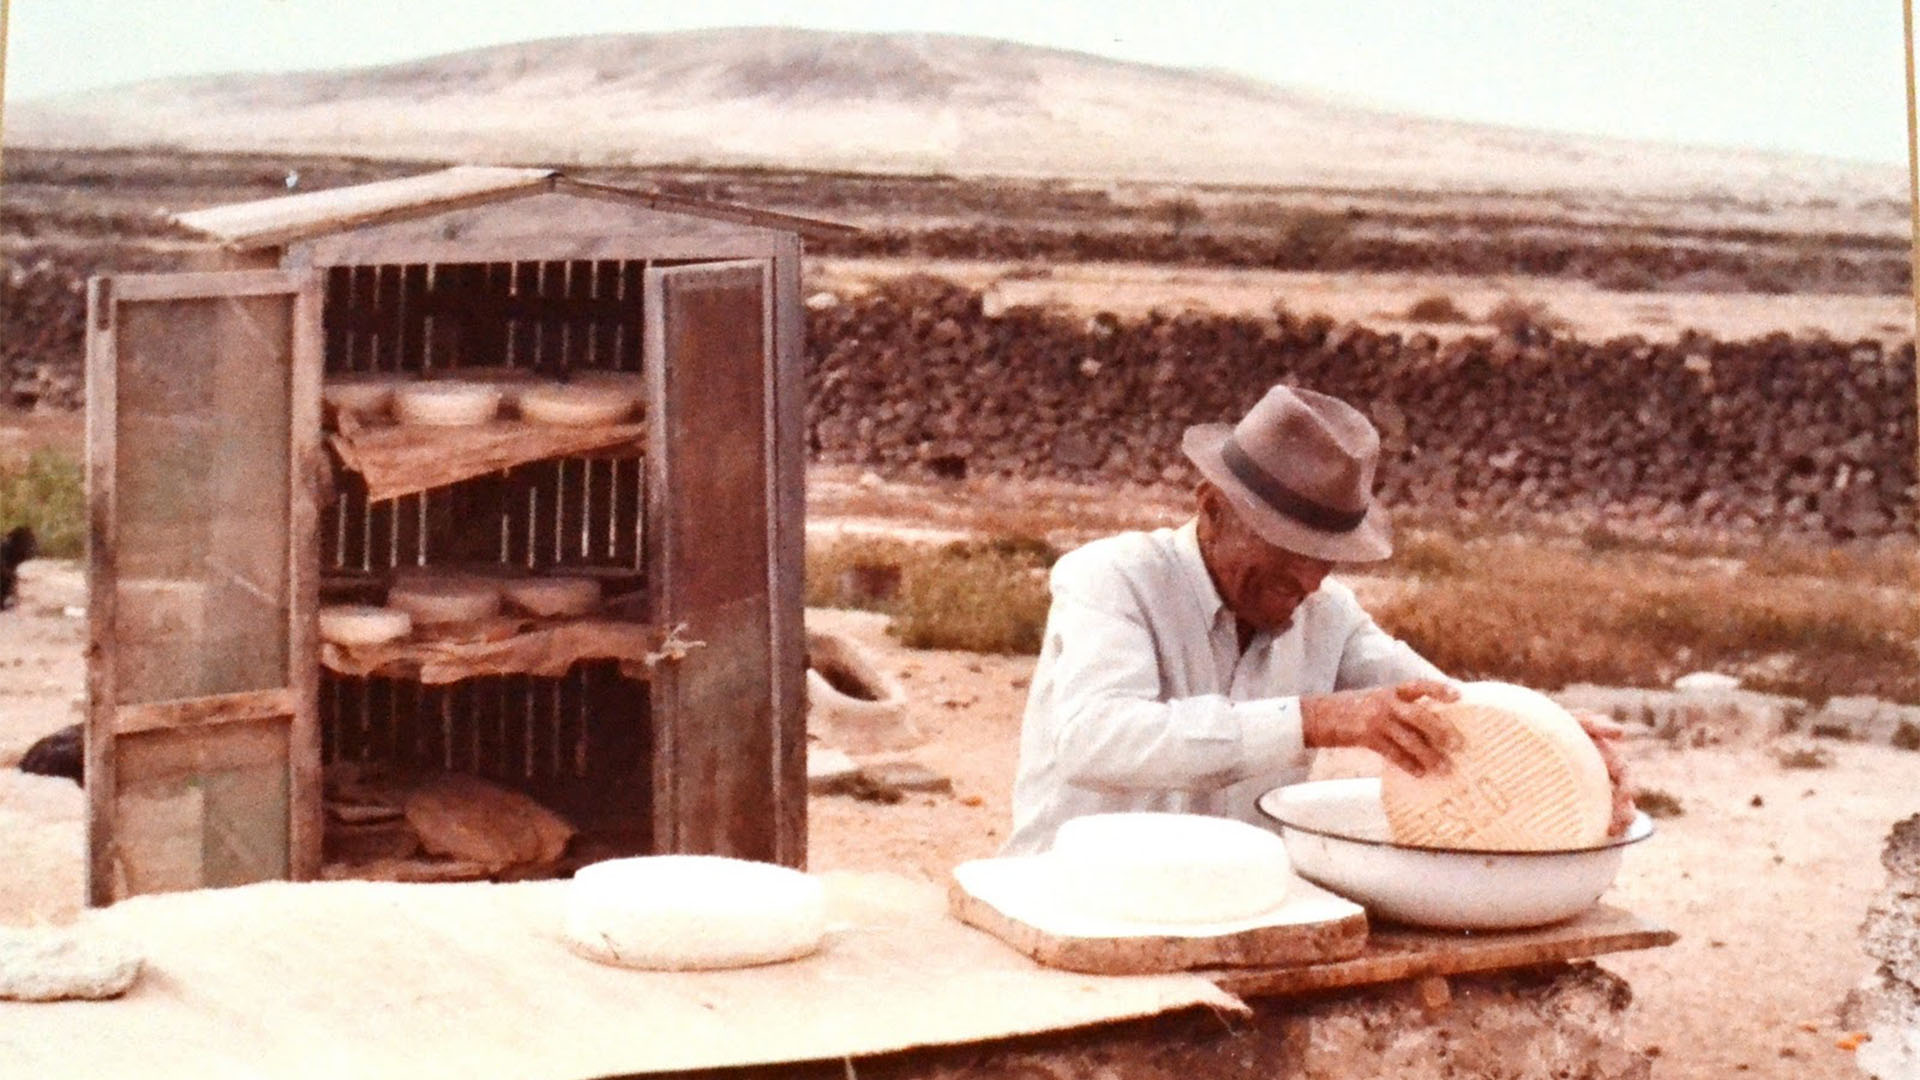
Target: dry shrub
{"type": "Point", "coordinates": [985, 595]}
{"type": "Point", "coordinates": [1657, 803]}
{"type": "Point", "coordinates": [47, 492]}
{"type": "Point", "coordinates": [1551, 616]}
{"type": "Point", "coordinates": [1436, 308]}
{"type": "Point", "coordinates": [1517, 318]}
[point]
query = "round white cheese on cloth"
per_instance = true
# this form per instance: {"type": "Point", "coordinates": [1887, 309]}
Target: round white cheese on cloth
{"type": "Point", "coordinates": [693, 912]}
{"type": "Point", "coordinates": [1526, 778]}
{"type": "Point", "coordinates": [435, 598]}
{"type": "Point", "coordinates": [1169, 868]}
{"type": "Point", "coordinates": [360, 624]}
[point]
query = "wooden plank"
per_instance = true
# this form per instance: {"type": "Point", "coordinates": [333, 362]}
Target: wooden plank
{"type": "Point", "coordinates": [199, 286]}
{"type": "Point", "coordinates": [1011, 899]}
{"type": "Point", "coordinates": [311, 471]}
{"type": "Point", "coordinates": [708, 515]}
{"type": "Point", "coordinates": [787, 557]}
{"type": "Point", "coordinates": [356, 249]}
{"type": "Point", "coordinates": [1396, 953]}
{"type": "Point", "coordinates": [103, 577]}
{"type": "Point", "coordinates": [414, 287]}
{"type": "Point", "coordinates": [404, 459]}
{"type": "Point", "coordinates": [633, 335]}
{"type": "Point", "coordinates": [205, 712]}
{"type": "Point", "coordinates": [285, 219]}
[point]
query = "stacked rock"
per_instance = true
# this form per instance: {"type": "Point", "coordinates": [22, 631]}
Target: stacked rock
{"type": "Point", "coordinates": [1779, 434]}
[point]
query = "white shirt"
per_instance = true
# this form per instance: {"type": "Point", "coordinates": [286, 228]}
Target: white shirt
{"type": "Point", "coordinates": [1142, 699]}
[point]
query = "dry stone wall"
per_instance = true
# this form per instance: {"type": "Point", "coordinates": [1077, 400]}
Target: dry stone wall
{"type": "Point", "coordinates": [1775, 434]}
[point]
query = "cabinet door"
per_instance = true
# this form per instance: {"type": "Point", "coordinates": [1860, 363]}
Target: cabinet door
{"type": "Point", "coordinates": [717, 735]}
{"type": "Point", "coordinates": [203, 451]}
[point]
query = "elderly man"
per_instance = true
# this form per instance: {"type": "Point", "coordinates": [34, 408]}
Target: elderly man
{"type": "Point", "coordinates": [1192, 669]}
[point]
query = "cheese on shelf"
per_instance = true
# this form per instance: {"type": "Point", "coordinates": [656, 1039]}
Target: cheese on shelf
{"type": "Point", "coordinates": [361, 624]}
{"type": "Point", "coordinates": [577, 404]}
{"type": "Point", "coordinates": [1169, 868]}
{"type": "Point", "coordinates": [693, 912]}
{"type": "Point", "coordinates": [431, 598]}
{"type": "Point", "coordinates": [447, 404]}
{"type": "Point", "coordinates": [549, 596]}
{"type": "Point", "coordinates": [1526, 778]}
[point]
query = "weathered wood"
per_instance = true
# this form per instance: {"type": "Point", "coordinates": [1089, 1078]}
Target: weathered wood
{"type": "Point", "coordinates": [1395, 953]}
{"type": "Point", "coordinates": [203, 631]}
{"type": "Point", "coordinates": [709, 496]}
{"type": "Point", "coordinates": [1005, 898]}
{"type": "Point", "coordinates": [205, 712]}
{"type": "Point", "coordinates": [103, 541]}
{"type": "Point", "coordinates": [787, 559]}
{"type": "Point", "coordinates": [404, 459]}
{"type": "Point", "coordinates": [516, 647]}
{"type": "Point", "coordinates": [310, 471]}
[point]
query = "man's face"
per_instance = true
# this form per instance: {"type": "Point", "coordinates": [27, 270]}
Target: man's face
{"type": "Point", "coordinates": [1261, 584]}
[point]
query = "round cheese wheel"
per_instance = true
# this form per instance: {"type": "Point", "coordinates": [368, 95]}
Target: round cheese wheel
{"type": "Point", "coordinates": [361, 624]}
{"type": "Point", "coordinates": [576, 404]}
{"type": "Point", "coordinates": [553, 595]}
{"type": "Point", "coordinates": [369, 394]}
{"type": "Point", "coordinates": [434, 599]}
{"type": "Point", "coordinates": [1526, 778]}
{"type": "Point", "coordinates": [446, 404]}
{"type": "Point", "coordinates": [692, 912]}
{"type": "Point", "coordinates": [1169, 868]}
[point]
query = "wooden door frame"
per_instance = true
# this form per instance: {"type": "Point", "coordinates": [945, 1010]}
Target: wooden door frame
{"type": "Point", "coordinates": [106, 719]}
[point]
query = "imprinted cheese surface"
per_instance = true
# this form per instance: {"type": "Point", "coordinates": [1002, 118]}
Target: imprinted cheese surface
{"type": "Point", "coordinates": [1526, 778]}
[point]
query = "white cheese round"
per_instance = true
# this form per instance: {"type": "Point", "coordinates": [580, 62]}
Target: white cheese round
{"type": "Point", "coordinates": [431, 599]}
{"type": "Point", "coordinates": [692, 912]}
{"type": "Point", "coordinates": [577, 404]}
{"type": "Point", "coordinates": [1527, 778]}
{"type": "Point", "coordinates": [550, 596]}
{"type": "Point", "coordinates": [365, 394]}
{"type": "Point", "coordinates": [361, 624]}
{"type": "Point", "coordinates": [1169, 868]}
{"type": "Point", "coordinates": [447, 404]}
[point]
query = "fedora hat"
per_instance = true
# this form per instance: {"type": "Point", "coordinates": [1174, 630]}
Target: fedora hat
{"type": "Point", "coordinates": [1299, 470]}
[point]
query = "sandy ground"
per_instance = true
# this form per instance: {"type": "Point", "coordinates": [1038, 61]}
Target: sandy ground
{"type": "Point", "coordinates": [1766, 875]}
{"type": "Point", "coordinates": [1380, 301]}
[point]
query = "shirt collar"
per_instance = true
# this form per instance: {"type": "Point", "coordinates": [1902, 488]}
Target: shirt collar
{"type": "Point", "coordinates": [1186, 541]}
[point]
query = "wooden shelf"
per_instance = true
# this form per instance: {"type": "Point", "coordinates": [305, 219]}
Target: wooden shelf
{"type": "Point", "coordinates": [403, 459]}
{"type": "Point", "coordinates": [546, 648]}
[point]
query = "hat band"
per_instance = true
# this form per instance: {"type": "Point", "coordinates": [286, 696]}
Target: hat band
{"type": "Point", "coordinates": [1283, 498]}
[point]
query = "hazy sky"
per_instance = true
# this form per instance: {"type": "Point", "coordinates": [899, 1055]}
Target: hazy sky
{"type": "Point", "coordinates": [1820, 76]}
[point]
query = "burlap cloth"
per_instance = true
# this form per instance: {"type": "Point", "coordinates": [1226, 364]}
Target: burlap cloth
{"type": "Point", "coordinates": [368, 979]}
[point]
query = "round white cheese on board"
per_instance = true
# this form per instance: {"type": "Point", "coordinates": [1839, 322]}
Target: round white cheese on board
{"type": "Point", "coordinates": [447, 404]}
{"type": "Point", "coordinates": [551, 596]}
{"type": "Point", "coordinates": [1526, 778]}
{"type": "Point", "coordinates": [362, 624]}
{"type": "Point", "coordinates": [431, 598]}
{"type": "Point", "coordinates": [577, 404]}
{"type": "Point", "coordinates": [693, 912]}
{"type": "Point", "coordinates": [1169, 868]}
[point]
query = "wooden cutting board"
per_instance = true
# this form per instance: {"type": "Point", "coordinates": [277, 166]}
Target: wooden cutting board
{"type": "Point", "coordinates": [1007, 898]}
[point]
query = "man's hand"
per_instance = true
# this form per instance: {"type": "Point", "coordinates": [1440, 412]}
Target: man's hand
{"type": "Point", "coordinates": [1396, 722]}
{"type": "Point", "coordinates": [1606, 736]}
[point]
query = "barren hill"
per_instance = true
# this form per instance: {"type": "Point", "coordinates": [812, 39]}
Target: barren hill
{"type": "Point", "coordinates": [896, 103]}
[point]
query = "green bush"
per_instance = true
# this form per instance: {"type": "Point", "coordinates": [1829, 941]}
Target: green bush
{"type": "Point", "coordinates": [48, 493]}
{"type": "Point", "coordinates": [986, 595]}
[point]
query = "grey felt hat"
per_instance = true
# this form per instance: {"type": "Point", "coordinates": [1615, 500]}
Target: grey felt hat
{"type": "Point", "coordinates": [1299, 469]}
